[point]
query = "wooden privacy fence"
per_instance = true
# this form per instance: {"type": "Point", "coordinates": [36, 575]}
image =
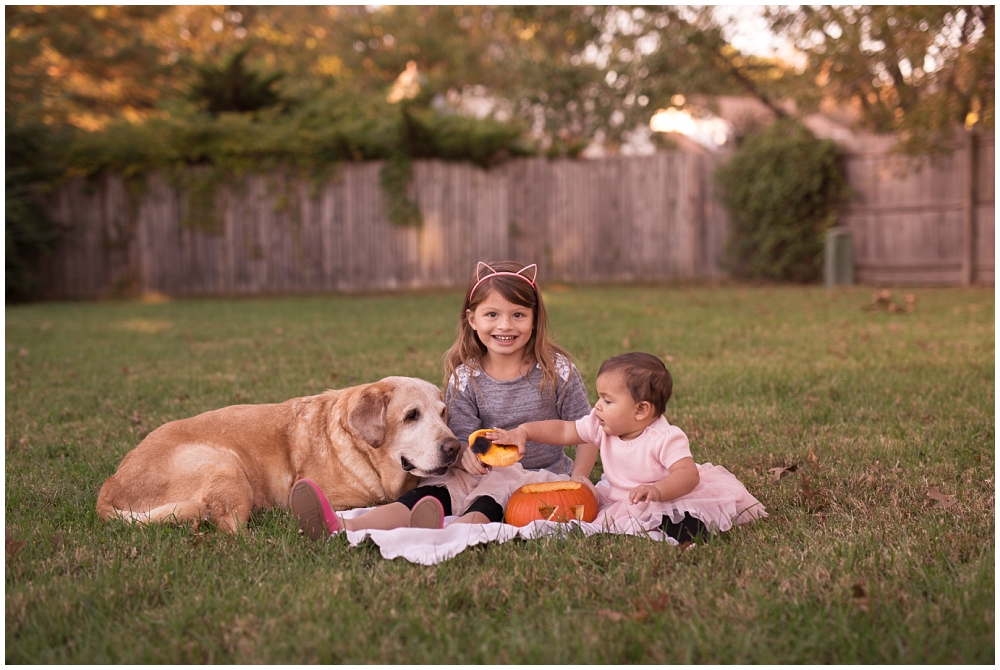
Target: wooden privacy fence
{"type": "Point", "coordinates": [644, 218]}
{"type": "Point", "coordinates": [616, 219]}
{"type": "Point", "coordinates": [932, 226]}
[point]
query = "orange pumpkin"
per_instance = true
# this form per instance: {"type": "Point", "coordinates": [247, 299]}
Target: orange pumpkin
{"type": "Point", "coordinates": [490, 453]}
{"type": "Point", "coordinates": [551, 501]}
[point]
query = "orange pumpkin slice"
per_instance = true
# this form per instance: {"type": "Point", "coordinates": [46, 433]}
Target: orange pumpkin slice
{"type": "Point", "coordinates": [490, 453]}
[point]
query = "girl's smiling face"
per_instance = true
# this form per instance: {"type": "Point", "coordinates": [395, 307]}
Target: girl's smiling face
{"type": "Point", "coordinates": [503, 327]}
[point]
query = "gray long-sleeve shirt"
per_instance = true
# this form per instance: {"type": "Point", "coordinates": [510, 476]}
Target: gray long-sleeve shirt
{"type": "Point", "coordinates": [484, 402]}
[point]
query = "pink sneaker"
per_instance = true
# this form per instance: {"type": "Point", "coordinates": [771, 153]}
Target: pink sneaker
{"type": "Point", "coordinates": [427, 513]}
{"type": "Point", "coordinates": [316, 518]}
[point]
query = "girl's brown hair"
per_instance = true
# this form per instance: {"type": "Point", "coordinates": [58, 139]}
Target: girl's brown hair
{"type": "Point", "coordinates": [520, 290]}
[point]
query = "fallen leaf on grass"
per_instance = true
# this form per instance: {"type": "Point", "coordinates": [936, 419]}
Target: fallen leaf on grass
{"type": "Point", "coordinates": [777, 472]}
{"type": "Point", "coordinates": [860, 595]}
{"type": "Point", "coordinates": [811, 496]}
{"type": "Point", "coordinates": [639, 615]}
{"type": "Point", "coordinates": [13, 546]}
{"type": "Point", "coordinates": [643, 608]}
{"type": "Point", "coordinates": [814, 497]}
{"type": "Point", "coordinates": [941, 500]}
{"type": "Point", "coordinates": [50, 500]}
{"type": "Point", "coordinates": [882, 301]}
{"type": "Point", "coordinates": [617, 617]}
{"type": "Point", "coordinates": [812, 459]}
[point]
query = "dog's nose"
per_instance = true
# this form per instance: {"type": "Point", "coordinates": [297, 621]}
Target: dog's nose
{"type": "Point", "coordinates": [450, 446]}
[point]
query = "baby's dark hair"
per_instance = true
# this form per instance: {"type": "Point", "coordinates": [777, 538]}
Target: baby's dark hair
{"type": "Point", "coordinates": [644, 375]}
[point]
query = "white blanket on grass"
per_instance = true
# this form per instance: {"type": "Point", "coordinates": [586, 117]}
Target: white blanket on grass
{"type": "Point", "coordinates": [427, 547]}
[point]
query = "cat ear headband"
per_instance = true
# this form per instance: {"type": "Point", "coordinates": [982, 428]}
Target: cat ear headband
{"type": "Point", "coordinates": [533, 269]}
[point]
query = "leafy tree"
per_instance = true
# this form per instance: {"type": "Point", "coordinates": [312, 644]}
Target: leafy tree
{"type": "Point", "coordinates": [915, 70]}
{"type": "Point", "coordinates": [515, 62]}
{"type": "Point", "coordinates": [568, 73]}
{"type": "Point", "coordinates": [81, 64]}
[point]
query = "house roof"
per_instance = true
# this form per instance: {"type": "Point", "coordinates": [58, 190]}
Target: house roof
{"type": "Point", "coordinates": [741, 112]}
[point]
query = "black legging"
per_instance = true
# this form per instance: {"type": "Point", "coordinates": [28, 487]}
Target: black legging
{"type": "Point", "coordinates": [485, 505]}
{"type": "Point", "coordinates": [688, 530]}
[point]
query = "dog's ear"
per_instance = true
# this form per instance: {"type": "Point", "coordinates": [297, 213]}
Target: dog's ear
{"type": "Point", "coordinates": [367, 417]}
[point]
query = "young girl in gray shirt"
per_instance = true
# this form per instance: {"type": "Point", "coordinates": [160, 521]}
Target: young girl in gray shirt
{"type": "Point", "coordinates": [502, 371]}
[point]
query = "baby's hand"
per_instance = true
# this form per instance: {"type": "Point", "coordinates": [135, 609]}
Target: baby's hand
{"type": "Point", "coordinates": [517, 437]}
{"type": "Point", "coordinates": [644, 493]}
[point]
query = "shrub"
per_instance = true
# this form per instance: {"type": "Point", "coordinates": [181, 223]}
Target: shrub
{"type": "Point", "coordinates": [336, 127]}
{"type": "Point", "coordinates": [429, 134]}
{"type": "Point", "coordinates": [28, 232]}
{"type": "Point", "coordinates": [28, 235]}
{"type": "Point", "coordinates": [782, 188]}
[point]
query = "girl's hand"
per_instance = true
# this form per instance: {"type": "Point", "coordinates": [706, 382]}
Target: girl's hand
{"type": "Point", "coordinates": [517, 437]}
{"type": "Point", "coordinates": [644, 493]}
{"type": "Point", "coordinates": [468, 461]}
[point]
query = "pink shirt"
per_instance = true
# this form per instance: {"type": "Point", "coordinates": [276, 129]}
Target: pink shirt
{"type": "Point", "coordinates": [643, 460]}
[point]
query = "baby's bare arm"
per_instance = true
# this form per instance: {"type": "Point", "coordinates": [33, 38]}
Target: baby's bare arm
{"type": "Point", "coordinates": [546, 432]}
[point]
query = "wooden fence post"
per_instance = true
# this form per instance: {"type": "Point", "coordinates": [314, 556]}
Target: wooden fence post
{"type": "Point", "coordinates": [969, 209]}
{"type": "Point", "coordinates": [696, 210]}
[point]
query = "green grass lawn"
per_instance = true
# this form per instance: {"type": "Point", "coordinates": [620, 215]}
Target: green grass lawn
{"type": "Point", "coordinates": [869, 411]}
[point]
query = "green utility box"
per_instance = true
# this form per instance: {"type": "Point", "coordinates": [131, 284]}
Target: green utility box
{"type": "Point", "coordinates": [838, 263]}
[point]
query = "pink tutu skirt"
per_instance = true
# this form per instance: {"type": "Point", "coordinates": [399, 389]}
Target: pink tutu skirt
{"type": "Point", "coordinates": [719, 501]}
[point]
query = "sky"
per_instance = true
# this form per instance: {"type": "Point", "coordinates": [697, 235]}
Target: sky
{"type": "Point", "coordinates": [750, 33]}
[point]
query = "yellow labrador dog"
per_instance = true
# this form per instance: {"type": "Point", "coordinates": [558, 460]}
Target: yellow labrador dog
{"type": "Point", "coordinates": [361, 445]}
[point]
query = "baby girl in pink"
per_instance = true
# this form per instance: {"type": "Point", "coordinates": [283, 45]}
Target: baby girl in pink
{"type": "Point", "coordinates": [650, 480]}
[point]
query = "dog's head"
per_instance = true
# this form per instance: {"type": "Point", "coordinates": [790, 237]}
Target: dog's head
{"type": "Point", "coordinates": [405, 417]}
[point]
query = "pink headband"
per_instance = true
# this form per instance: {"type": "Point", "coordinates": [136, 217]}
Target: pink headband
{"type": "Point", "coordinates": [494, 273]}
